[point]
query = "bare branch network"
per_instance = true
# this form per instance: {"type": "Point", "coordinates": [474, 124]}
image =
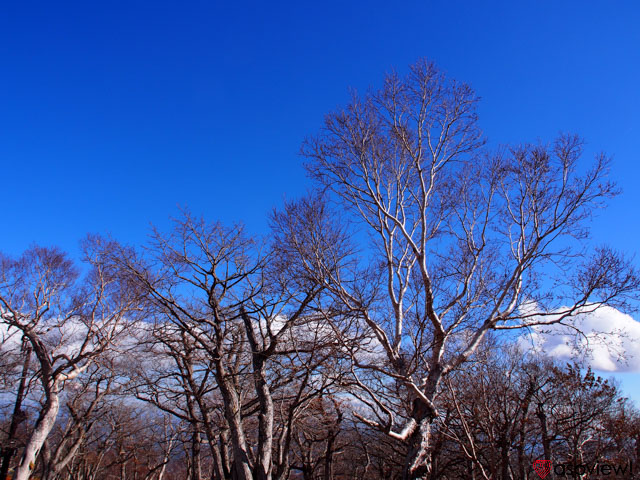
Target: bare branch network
{"type": "Point", "coordinates": [367, 336]}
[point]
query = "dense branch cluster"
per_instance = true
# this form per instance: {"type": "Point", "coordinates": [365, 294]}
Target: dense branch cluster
{"type": "Point", "coordinates": [366, 336]}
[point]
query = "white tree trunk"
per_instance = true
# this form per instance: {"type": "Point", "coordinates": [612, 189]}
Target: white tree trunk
{"type": "Point", "coordinates": [37, 438]}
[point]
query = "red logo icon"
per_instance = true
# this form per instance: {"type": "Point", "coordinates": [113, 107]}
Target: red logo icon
{"type": "Point", "coordinates": [542, 467]}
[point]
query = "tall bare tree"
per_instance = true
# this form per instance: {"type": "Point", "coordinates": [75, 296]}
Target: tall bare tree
{"type": "Point", "coordinates": [66, 322]}
{"type": "Point", "coordinates": [249, 316]}
{"type": "Point", "coordinates": [462, 242]}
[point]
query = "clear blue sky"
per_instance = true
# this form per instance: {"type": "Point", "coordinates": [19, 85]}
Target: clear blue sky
{"type": "Point", "coordinates": [114, 113]}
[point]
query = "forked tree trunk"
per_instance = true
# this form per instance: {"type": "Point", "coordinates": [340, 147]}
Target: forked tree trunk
{"type": "Point", "coordinates": [418, 463]}
{"type": "Point", "coordinates": [241, 469]}
{"type": "Point", "coordinates": [263, 463]}
{"type": "Point", "coordinates": [418, 460]}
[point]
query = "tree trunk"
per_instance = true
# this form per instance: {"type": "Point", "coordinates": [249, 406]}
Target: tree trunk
{"type": "Point", "coordinates": [196, 441]}
{"type": "Point", "coordinates": [418, 461]}
{"type": "Point", "coordinates": [263, 464]}
{"type": "Point", "coordinates": [521, 460]}
{"type": "Point", "coordinates": [504, 459]}
{"type": "Point", "coordinates": [224, 453]}
{"type": "Point", "coordinates": [217, 469]}
{"type": "Point", "coordinates": [36, 440]}
{"type": "Point", "coordinates": [53, 464]}
{"type": "Point", "coordinates": [18, 415]}
{"type": "Point", "coordinates": [265, 420]}
{"type": "Point", "coordinates": [241, 465]}
{"type": "Point", "coordinates": [328, 457]}
{"type": "Point", "coordinates": [546, 441]}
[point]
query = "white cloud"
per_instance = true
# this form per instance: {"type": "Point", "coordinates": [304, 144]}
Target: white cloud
{"type": "Point", "coordinates": [610, 340]}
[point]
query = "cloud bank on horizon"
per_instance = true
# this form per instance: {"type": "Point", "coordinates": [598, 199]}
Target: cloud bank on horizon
{"type": "Point", "coordinates": [609, 340]}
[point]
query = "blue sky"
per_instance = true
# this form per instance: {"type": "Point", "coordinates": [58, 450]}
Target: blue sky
{"type": "Point", "coordinates": [112, 114]}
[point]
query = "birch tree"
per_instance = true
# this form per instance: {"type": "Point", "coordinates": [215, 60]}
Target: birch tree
{"type": "Point", "coordinates": [67, 322]}
{"type": "Point", "coordinates": [462, 241]}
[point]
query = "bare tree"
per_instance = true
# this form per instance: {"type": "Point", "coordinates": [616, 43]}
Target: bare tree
{"type": "Point", "coordinates": [462, 242]}
{"type": "Point", "coordinates": [244, 313]}
{"type": "Point", "coordinates": [14, 360]}
{"type": "Point", "coordinates": [340, 345]}
{"type": "Point", "coordinates": [67, 324]}
{"type": "Point", "coordinates": [492, 411]}
{"type": "Point", "coordinates": [129, 440]}
{"type": "Point", "coordinates": [176, 376]}
{"type": "Point", "coordinates": [508, 408]}
{"type": "Point", "coordinates": [85, 399]}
